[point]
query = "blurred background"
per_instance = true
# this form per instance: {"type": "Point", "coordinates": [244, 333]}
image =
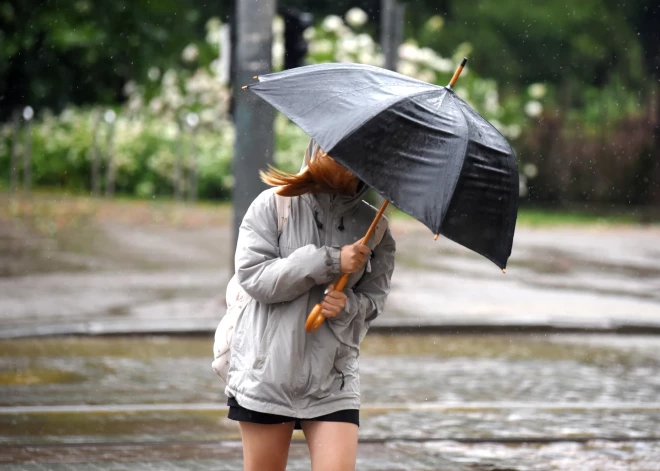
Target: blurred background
{"type": "Point", "coordinates": [128, 156]}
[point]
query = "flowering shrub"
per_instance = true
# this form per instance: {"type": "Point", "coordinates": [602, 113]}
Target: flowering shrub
{"type": "Point", "coordinates": [183, 114]}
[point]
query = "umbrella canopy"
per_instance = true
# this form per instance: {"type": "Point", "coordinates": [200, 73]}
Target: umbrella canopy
{"type": "Point", "coordinates": [417, 144]}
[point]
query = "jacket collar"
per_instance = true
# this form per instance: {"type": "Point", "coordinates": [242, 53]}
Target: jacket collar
{"type": "Point", "coordinates": [339, 203]}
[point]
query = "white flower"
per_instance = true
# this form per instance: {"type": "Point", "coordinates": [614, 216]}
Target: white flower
{"type": "Point", "coordinates": [278, 54]}
{"type": "Point", "coordinates": [530, 170]}
{"type": "Point", "coordinates": [309, 33]}
{"type": "Point", "coordinates": [130, 88]}
{"type": "Point", "coordinates": [332, 23]}
{"type": "Point", "coordinates": [170, 131]}
{"type": "Point", "coordinates": [427, 76]}
{"type": "Point", "coordinates": [192, 119]}
{"type": "Point", "coordinates": [343, 57]}
{"type": "Point", "coordinates": [135, 103]}
{"type": "Point", "coordinates": [441, 65]}
{"type": "Point", "coordinates": [207, 116]}
{"type": "Point", "coordinates": [367, 58]}
{"type": "Point", "coordinates": [364, 41]}
{"type": "Point", "coordinates": [28, 113]}
{"type": "Point", "coordinates": [356, 17]}
{"type": "Point", "coordinates": [169, 78]}
{"type": "Point", "coordinates": [407, 68]}
{"type": "Point", "coordinates": [427, 55]}
{"type": "Point", "coordinates": [462, 93]}
{"type": "Point", "coordinates": [533, 109]}
{"type": "Point", "coordinates": [278, 25]}
{"type": "Point", "coordinates": [492, 101]}
{"type": "Point", "coordinates": [514, 131]}
{"type": "Point", "coordinates": [323, 46]}
{"type": "Point", "coordinates": [153, 74]}
{"type": "Point", "coordinates": [409, 52]}
{"type": "Point", "coordinates": [109, 116]}
{"type": "Point", "coordinates": [537, 90]}
{"type": "Point", "coordinates": [435, 23]}
{"type": "Point", "coordinates": [190, 53]}
{"type": "Point", "coordinates": [349, 45]}
{"type": "Point", "coordinates": [156, 105]}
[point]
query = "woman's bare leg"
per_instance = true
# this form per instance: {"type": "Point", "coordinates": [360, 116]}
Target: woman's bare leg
{"type": "Point", "coordinates": [266, 447]}
{"type": "Point", "coordinates": [332, 445]}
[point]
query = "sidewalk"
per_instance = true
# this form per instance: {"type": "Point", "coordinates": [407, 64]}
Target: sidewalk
{"type": "Point", "coordinates": [159, 280]}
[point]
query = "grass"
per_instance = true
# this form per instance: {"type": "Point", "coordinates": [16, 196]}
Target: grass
{"type": "Point", "coordinates": [57, 209]}
{"type": "Point", "coordinates": [558, 217]}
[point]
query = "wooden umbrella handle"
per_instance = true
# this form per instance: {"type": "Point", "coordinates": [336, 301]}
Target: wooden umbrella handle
{"type": "Point", "coordinates": [315, 318]}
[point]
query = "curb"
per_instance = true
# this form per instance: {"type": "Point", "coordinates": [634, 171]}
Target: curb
{"type": "Point", "coordinates": [383, 327]}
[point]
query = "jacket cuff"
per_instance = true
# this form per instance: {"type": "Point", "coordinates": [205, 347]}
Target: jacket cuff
{"type": "Point", "coordinates": [348, 313]}
{"type": "Point", "coordinates": [333, 261]}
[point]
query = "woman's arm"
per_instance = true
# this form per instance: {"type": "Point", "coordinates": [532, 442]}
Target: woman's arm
{"type": "Point", "coordinates": [262, 273]}
{"type": "Point", "coordinates": [366, 300]}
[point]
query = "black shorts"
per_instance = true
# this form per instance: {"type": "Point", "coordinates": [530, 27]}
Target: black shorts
{"type": "Point", "coordinates": [241, 414]}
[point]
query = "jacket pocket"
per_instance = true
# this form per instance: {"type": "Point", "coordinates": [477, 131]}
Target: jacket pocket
{"type": "Point", "coordinates": [266, 341]}
{"type": "Point", "coordinates": [239, 347]}
{"type": "Point", "coordinates": [345, 366]}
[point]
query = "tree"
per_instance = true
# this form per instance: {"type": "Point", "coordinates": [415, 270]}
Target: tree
{"type": "Point", "coordinates": [58, 52]}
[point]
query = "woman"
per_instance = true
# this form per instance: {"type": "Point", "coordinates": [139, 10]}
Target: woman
{"type": "Point", "coordinates": [281, 377]}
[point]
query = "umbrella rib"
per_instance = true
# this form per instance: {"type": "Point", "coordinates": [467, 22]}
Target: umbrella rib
{"type": "Point", "coordinates": [375, 115]}
{"type": "Point", "coordinates": [508, 216]}
{"type": "Point", "coordinates": [455, 182]}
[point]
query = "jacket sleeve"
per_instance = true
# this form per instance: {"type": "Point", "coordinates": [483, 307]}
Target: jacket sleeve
{"type": "Point", "coordinates": [263, 274]}
{"type": "Point", "coordinates": [366, 300]}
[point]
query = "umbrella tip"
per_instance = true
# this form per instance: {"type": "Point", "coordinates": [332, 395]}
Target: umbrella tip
{"type": "Point", "coordinates": [435, 237]}
{"type": "Point", "coordinates": [504, 270]}
{"type": "Point", "coordinates": [244, 87]}
{"type": "Point", "coordinates": [255, 77]}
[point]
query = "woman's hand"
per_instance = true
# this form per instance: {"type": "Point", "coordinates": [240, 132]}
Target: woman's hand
{"type": "Point", "coordinates": [353, 256]}
{"type": "Point", "coordinates": [333, 303]}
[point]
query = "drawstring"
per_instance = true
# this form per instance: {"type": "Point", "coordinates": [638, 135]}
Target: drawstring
{"type": "Point", "coordinates": [319, 224]}
{"type": "Point", "coordinates": [342, 381]}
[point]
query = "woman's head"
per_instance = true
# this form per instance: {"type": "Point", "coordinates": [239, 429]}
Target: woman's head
{"type": "Point", "coordinates": [322, 174]}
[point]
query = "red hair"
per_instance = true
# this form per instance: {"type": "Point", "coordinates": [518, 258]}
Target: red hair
{"type": "Point", "coordinates": [322, 174]}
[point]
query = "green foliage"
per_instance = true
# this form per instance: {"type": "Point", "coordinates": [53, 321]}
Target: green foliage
{"type": "Point", "coordinates": [62, 52]}
{"type": "Point", "coordinates": [553, 41]}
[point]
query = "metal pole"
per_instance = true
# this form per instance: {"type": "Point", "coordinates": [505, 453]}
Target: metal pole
{"type": "Point", "coordinates": [96, 155]}
{"type": "Point", "coordinates": [15, 136]}
{"type": "Point", "coordinates": [109, 158]}
{"type": "Point", "coordinates": [253, 118]}
{"type": "Point", "coordinates": [392, 17]}
{"type": "Point", "coordinates": [391, 37]}
{"type": "Point", "coordinates": [28, 113]}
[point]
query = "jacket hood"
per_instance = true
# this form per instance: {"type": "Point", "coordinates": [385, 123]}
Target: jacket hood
{"type": "Point", "coordinates": [341, 202]}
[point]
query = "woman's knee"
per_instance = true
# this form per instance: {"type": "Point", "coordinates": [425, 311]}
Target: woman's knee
{"type": "Point", "coordinates": [266, 447]}
{"type": "Point", "coordinates": [332, 445]}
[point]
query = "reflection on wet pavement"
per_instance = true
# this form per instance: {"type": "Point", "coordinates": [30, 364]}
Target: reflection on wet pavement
{"type": "Point", "coordinates": [423, 396]}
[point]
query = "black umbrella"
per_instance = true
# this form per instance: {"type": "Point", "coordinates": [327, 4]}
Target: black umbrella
{"type": "Point", "coordinates": [418, 145]}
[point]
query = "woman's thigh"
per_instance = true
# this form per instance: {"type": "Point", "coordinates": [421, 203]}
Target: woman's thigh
{"type": "Point", "coordinates": [332, 445]}
{"type": "Point", "coordinates": [266, 447]}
